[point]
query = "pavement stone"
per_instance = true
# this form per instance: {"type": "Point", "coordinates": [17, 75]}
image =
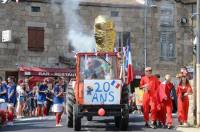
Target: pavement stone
{"type": "Point", "coordinates": [188, 129]}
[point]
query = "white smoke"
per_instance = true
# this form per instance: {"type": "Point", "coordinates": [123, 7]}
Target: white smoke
{"type": "Point", "coordinates": [78, 38]}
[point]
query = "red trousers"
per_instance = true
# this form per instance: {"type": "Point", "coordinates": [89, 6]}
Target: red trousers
{"type": "Point", "coordinates": [161, 113]}
{"type": "Point", "coordinates": [10, 116]}
{"type": "Point", "coordinates": [3, 117]}
{"type": "Point", "coordinates": [39, 110]}
{"type": "Point", "coordinates": [165, 113]}
{"type": "Point", "coordinates": [168, 110]}
{"type": "Point", "coordinates": [148, 102]}
{"type": "Point", "coordinates": [183, 106]}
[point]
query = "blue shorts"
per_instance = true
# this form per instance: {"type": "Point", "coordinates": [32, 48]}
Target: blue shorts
{"type": "Point", "coordinates": [21, 99]}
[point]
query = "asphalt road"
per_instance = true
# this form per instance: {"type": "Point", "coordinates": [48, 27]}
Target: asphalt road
{"type": "Point", "coordinates": [98, 124]}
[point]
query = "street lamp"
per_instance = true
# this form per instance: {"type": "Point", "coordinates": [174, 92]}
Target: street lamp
{"type": "Point", "coordinates": [147, 3]}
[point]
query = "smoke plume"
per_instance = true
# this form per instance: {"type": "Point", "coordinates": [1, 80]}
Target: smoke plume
{"type": "Point", "coordinates": [81, 41]}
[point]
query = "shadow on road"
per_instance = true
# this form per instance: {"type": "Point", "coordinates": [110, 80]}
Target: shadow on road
{"type": "Point", "coordinates": [26, 125]}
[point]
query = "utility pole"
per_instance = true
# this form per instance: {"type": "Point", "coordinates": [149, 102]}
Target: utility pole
{"type": "Point", "coordinates": [145, 33]}
{"type": "Point", "coordinates": [198, 66]}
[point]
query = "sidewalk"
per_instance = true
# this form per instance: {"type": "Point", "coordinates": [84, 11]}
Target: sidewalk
{"type": "Point", "coordinates": [188, 129]}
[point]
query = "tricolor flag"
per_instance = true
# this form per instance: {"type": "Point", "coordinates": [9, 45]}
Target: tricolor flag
{"type": "Point", "coordinates": [115, 84]}
{"type": "Point", "coordinates": [129, 66]}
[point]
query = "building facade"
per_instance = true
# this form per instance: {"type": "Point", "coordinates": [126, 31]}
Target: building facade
{"type": "Point", "coordinates": [40, 27]}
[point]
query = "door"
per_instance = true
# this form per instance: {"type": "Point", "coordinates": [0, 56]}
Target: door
{"type": "Point", "coordinates": [12, 74]}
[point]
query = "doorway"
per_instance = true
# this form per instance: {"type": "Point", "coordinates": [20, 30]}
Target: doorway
{"type": "Point", "coordinates": [13, 75]}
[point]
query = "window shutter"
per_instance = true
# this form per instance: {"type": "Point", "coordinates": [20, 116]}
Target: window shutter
{"type": "Point", "coordinates": [36, 39]}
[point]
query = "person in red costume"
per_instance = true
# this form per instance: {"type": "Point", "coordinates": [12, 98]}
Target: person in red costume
{"type": "Point", "coordinates": [149, 83]}
{"type": "Point", "coordinates": [165, 97]}
{"type": "Point", "coordinates": [160, 107]}
{"type": "Point", "coordinates": [183, 90]}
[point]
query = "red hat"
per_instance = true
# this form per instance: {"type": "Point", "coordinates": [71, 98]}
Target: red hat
{"type": "Point", "coordinates": [46, 80]}
{"type": "Point", "coordinates": [20, 81]}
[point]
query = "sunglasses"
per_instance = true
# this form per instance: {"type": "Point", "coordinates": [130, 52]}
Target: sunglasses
{"type": "Point", "coordinates": [148, 71]}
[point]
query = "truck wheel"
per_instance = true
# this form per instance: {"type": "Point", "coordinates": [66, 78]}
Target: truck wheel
{"type": "Point", "coordinates": [89, 118]}
{"type": "Point", "coordinates": [125, 112]}
{"type": "Point", "coordinates": [124, 124]}
{"type": "Point", "coordinates": [76, 119]}
{"type": "Point", "coordinates": [117, 121]}
{"type": "Point", "coordinates": [70, 104]}
{"type": "Point", "coordinates": [124, 119]}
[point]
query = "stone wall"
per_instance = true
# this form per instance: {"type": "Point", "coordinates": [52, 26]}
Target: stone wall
{"type": "Point", "coordinates": [18, 17]}
{"type": "Point", "coordinates": [130, 18]}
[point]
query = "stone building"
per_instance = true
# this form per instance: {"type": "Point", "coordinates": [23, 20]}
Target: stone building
{"type": "Point", "coordinates": [40, 32]}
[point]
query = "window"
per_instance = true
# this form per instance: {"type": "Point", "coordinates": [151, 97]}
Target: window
{"type": "Point", "coordinates": [98, 67]}
{"type": "Point", "coordinates": [35, 9]}
{"type": "Point", "coordinates": [167, 42]}
{"type": "Point", "coordinates": [122, 39]}
{"type": "Point", "coordinates": [167, 15]}
{"type": "Point", "coordinates": [35, 38]}
{"type": "Point", "coordinates": [114, 13]}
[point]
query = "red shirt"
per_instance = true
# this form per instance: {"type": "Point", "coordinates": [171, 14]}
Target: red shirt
{"type": "Point", "coordinates": [152, 82]}
{"type": "Point", "coordinates": [165, 90]}
{"type": "Point", "coordinates": [182, 90]}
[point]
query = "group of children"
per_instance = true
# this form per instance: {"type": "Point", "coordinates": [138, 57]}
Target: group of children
{"type": "Point", "coordinates": [20, 100]}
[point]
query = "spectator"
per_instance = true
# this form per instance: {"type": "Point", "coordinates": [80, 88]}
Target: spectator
{"type": "Point", "coordinates": [11, 100]}
{"type": "Point", "coordinates": [41, 98]}
{"type": "Point", "coordinates": [49, 99]}
{"type": "Point", "coordinates": [20, 99]}
{"type": "Point", "coordinates": [58, 101]}
{"type": "Point", "coordinates": [3, 104]}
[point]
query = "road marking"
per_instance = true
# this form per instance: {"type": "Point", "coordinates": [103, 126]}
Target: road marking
{"type": "Point", "coordinates": [36, 118]}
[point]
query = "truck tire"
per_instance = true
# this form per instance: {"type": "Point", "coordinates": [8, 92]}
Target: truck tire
{"type": "Point", "coordinates": [117, 121]}
{"type": "Point", "coordinates": [70, 104]}
{"type": "Point", "coordinates": [123, 126]}
{"type": "Point", "coordinates": [124, 119]}
{"type": "Point", "coordinates": [76, 119]}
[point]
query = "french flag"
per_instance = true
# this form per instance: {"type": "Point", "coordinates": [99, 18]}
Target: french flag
{"type": "Point", "coordinates": [115, 84]}
{"type": "Point", "coordinates": [129, 66]}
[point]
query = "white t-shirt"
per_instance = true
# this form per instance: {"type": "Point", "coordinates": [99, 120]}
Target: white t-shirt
{"type": "Point", "coordinates": [20, 91]}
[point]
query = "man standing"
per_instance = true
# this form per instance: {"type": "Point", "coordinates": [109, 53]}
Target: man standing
{"type": "Point", "coordinates": [149, 83]}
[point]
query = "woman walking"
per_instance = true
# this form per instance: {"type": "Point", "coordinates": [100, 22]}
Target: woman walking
{"type": "Point", "coordinates": [183, 90]}
{"type": "Point", "coordinates": [58, 101]}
